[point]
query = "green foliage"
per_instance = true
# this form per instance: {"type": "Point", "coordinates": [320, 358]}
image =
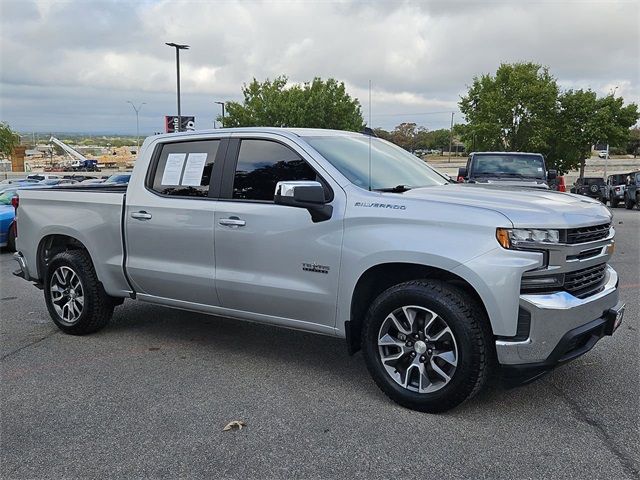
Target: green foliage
{"type": "Point", "coordinates": [316, 104]}
{"type": "Point", "coordinates": [511, 110]}
{"type": "Point", "coordinates": [633, 144]}
{"type": "Point", "coordinates": [412, 137]}
{"type": "Point", "coordinates": [522, 109]}
{"type": "Point", "coordinates": [8, 140]}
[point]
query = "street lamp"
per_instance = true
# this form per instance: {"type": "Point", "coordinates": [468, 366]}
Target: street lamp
{"type": "Point", "coordinates": [178, 47]}
{"type": "Point", "coordinates": [222, 104]}
{"type": "Point", "coordinates": [137, 110]}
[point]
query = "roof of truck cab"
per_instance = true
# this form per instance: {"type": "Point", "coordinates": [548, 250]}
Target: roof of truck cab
{"type": "Point", "coordinates": [298, 132]}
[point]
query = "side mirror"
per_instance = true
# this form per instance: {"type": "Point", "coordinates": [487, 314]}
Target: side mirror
{"type": "Point", "coordinates": [462, 172]}
{"type": "Point", "coordinates": [304, 194]}
{"type": "Point", "coordinates": [552, 174]}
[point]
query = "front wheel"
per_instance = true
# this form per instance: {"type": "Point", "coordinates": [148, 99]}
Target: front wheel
{"type": "Point", "coordinates": [628, 204]}
{"type": "Point", "coordinates": [426, 345]}
{"type": "Point", "coordinates": [75, 298]}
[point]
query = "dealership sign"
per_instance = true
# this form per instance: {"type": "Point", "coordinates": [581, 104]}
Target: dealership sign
{"type": "Point", "coordinates": [171, 123]}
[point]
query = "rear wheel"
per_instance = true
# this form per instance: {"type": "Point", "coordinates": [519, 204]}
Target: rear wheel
{"type": "Point", "coordinates": [426, 345]}
{"type": "Point", "coordinates": [628, 204]}
{"type": "Point", "coordinates": [614, 202]}
{"type": "Point", "coordinates": [75, 298]}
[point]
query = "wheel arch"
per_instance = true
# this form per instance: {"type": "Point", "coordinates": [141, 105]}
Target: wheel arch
{"type": "Point", "coordinates": [52, 244]}
{"type": "Point", "coordinates": [376, 279]}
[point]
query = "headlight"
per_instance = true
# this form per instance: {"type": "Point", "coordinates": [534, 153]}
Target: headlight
{"type": "Point", "coordinates": [525, 237]}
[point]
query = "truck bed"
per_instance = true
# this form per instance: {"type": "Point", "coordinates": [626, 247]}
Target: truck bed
{"type": "Point", "coordinates": [91, 214]}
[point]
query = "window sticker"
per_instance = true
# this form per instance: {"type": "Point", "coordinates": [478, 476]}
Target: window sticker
{"type": "Point", "coordinates": [173, 169]}
{"type": "Point", "coordinates": [193, 169]}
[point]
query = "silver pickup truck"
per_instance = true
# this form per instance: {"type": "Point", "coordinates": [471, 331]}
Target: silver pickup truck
{"type": "Point", "coordinates": [338, 233]}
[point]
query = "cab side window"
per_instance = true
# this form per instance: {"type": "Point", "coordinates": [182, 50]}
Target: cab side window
{"type": "Point", "coordinates": [262, 164]}
{"type": "Point", "coordinates": [184, 169]}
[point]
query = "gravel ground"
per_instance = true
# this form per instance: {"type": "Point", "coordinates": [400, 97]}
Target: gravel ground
{"type": "Point", "coordinates": [148, 396]}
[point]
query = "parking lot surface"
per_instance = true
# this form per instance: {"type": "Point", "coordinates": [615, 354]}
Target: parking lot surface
{"type": "Point", "coordinates": [148, 397]}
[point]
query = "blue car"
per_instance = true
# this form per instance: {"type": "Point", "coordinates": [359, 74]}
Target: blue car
{"type": "Point", "coordinates": [8, 213]}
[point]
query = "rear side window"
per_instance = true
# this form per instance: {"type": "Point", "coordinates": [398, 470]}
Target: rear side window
{"type": "Point", "coordinates": [184, 169]}
{"type": "Point", "coordinates": [262, 164]}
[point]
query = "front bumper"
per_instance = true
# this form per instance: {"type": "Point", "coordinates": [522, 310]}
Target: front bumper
{"type": "Point", "coordinates": [554, 321]}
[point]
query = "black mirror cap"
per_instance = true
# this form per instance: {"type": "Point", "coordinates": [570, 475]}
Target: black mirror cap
{"type": "Point", "coordinates": [309, 194]}
{"type": "Point", "coordinates": [552, 174]}
{"type": "Point", "coordinates": [462, 172]}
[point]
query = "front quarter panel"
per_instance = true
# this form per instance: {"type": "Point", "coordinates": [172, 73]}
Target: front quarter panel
{"type": "Point", "coordinates": [389, 228]}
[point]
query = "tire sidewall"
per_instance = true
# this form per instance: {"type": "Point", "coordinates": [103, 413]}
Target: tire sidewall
{"type": "Point", "coordinates": [460, 386]}
{"type": "Point", "coordinates": [68, 260]}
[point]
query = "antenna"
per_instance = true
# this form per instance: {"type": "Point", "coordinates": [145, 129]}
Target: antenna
{"type": "Point", "coordinates": [370, 135]}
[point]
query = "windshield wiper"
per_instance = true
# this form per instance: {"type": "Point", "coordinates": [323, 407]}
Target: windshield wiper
{"type": "Point", "coordinates": [396, 189]}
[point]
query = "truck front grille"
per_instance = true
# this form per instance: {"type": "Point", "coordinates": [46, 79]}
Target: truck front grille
{"type": "Point", "coordinates": [580, 283]}
{"type": "Point", "coordinates": [587, 234]}
{"type": "Point", "coordinates": [586, 282]}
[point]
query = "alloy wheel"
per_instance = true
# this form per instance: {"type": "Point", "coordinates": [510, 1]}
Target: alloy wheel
{"type": "Point", "coordinates": [67, 295]}
{"type": "Point", "coordinates": [417, 349]}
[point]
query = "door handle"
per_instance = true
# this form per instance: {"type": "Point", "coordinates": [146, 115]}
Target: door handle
{"type": "Point", "coordinates": [232, 222]}
{"type": "Point", "coordinates": [141, 215]}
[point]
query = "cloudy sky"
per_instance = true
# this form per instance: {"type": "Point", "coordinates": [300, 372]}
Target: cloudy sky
{"type": "Point", "coordinates": [70, 66]}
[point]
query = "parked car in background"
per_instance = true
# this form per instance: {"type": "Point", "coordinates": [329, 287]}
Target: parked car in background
{"type": "Point", "coordinates": [614, 189]}
{"type": "Point", "coordinates": [632, 192]}
{"type": "Point", "coordinates": [8, 212]}
{"type": "Point", "coordinates": [602, 154]}
{"type": "Point", "coordinates": [93, 181]}
{"type": "Point", "coordinates": [118, 179]}
{"type": "Point", "coordinates": [558, 184]}
{"type": "Point", "coordinates": [591, 187]}
{"type": "Point", "coordinates": [507, 168]}
{"type": "Point", "coordinates": [58, 181]}
{"type": "Point", "coordinates": [11, 181]}
{"type": "Point", "coordinates": [42, 176]}
{"type": "Point", "coordinates": [79, 178]}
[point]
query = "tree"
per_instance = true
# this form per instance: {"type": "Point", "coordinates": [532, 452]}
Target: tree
{"type": "Point", "coordinates": [316, 104]}
{"type": "Point", "coordinates": [511, 110]}
{"type": "Point", "coordinates": [633, 145]}
{"type": "Point", "coordinates": [8, 140]}
{"type": "Point", "coordinates": [522, 109]}
{"type": "Point", "coordinates": [584, 120]}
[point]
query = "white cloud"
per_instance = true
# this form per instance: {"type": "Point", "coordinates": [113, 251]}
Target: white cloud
{"type": "Point", "coordinates": [92, 56]}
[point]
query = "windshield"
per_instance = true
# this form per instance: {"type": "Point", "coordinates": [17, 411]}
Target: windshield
{"type": "Point", "coordinates": [391, 166]}
{"type": "Point", "coordinates": [531, 166]}
{"type": "Point", "coordinates": [7, 195]}
{"type": "Point", "coordinates": [122, 178]}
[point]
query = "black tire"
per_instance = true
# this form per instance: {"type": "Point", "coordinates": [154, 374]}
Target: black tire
{"type": "Point", "coordinates": [98, 306]}
{"type": "Point", "coordinates": [472, 337]}
{"type": "Point", "coordinates": [11, 238]}
{"type": "Point", "coordinates": [614, 203]}
{"type": "Point", "coordinates": [628, 204]}
{"type": "Point", "coordinates": [638, 202]}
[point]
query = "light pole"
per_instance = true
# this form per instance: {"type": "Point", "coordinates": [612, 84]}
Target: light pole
{"type": "Point", "coordinates": [137, 110]}
{"type": "Point", "coordinates": [222, 104]}
{"type": "Point", "coordinates": [178, 47]}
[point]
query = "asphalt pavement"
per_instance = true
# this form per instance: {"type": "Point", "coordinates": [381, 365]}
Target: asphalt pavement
{"type": "Point", "coordinates": [148, 397]}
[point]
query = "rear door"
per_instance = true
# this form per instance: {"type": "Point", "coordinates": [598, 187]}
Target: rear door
{"type": "Point", "coordinates": [169, 223]}
{"type": "Point", "coordinates": [272, 259]}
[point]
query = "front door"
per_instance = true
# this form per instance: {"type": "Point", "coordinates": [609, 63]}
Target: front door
{"type": "Point", "coordinates": [169, 224]}
{"type": "Point", "coordinates": [272, 259]}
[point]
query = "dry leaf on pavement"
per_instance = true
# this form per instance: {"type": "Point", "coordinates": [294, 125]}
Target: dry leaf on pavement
{"type": "Point", "coordinates": [234, 425]}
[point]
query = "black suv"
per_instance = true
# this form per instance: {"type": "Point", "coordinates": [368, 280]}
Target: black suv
{"type": "Point", "coordinates": [632, 193]}
{"type": "Point", "coordinates": [593, 187]}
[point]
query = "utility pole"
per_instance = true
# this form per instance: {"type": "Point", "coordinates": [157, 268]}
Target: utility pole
{"type": "Point", "coordinates": [606, 160]}
{"type": "Point", "coordinates": [222, 120]}
{"type": "Point", "coordinates": [137, 110]}
{"type": "Point", "coordinates": [178, 47]}
{"type": "Point", "coordinates": [450, 138]}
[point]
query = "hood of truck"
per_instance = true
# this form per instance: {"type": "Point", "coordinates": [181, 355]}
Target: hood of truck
{"type": "Point", "coordinates": [525, 207]}
{"type": "Point", "coordinates": [520, 182]}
